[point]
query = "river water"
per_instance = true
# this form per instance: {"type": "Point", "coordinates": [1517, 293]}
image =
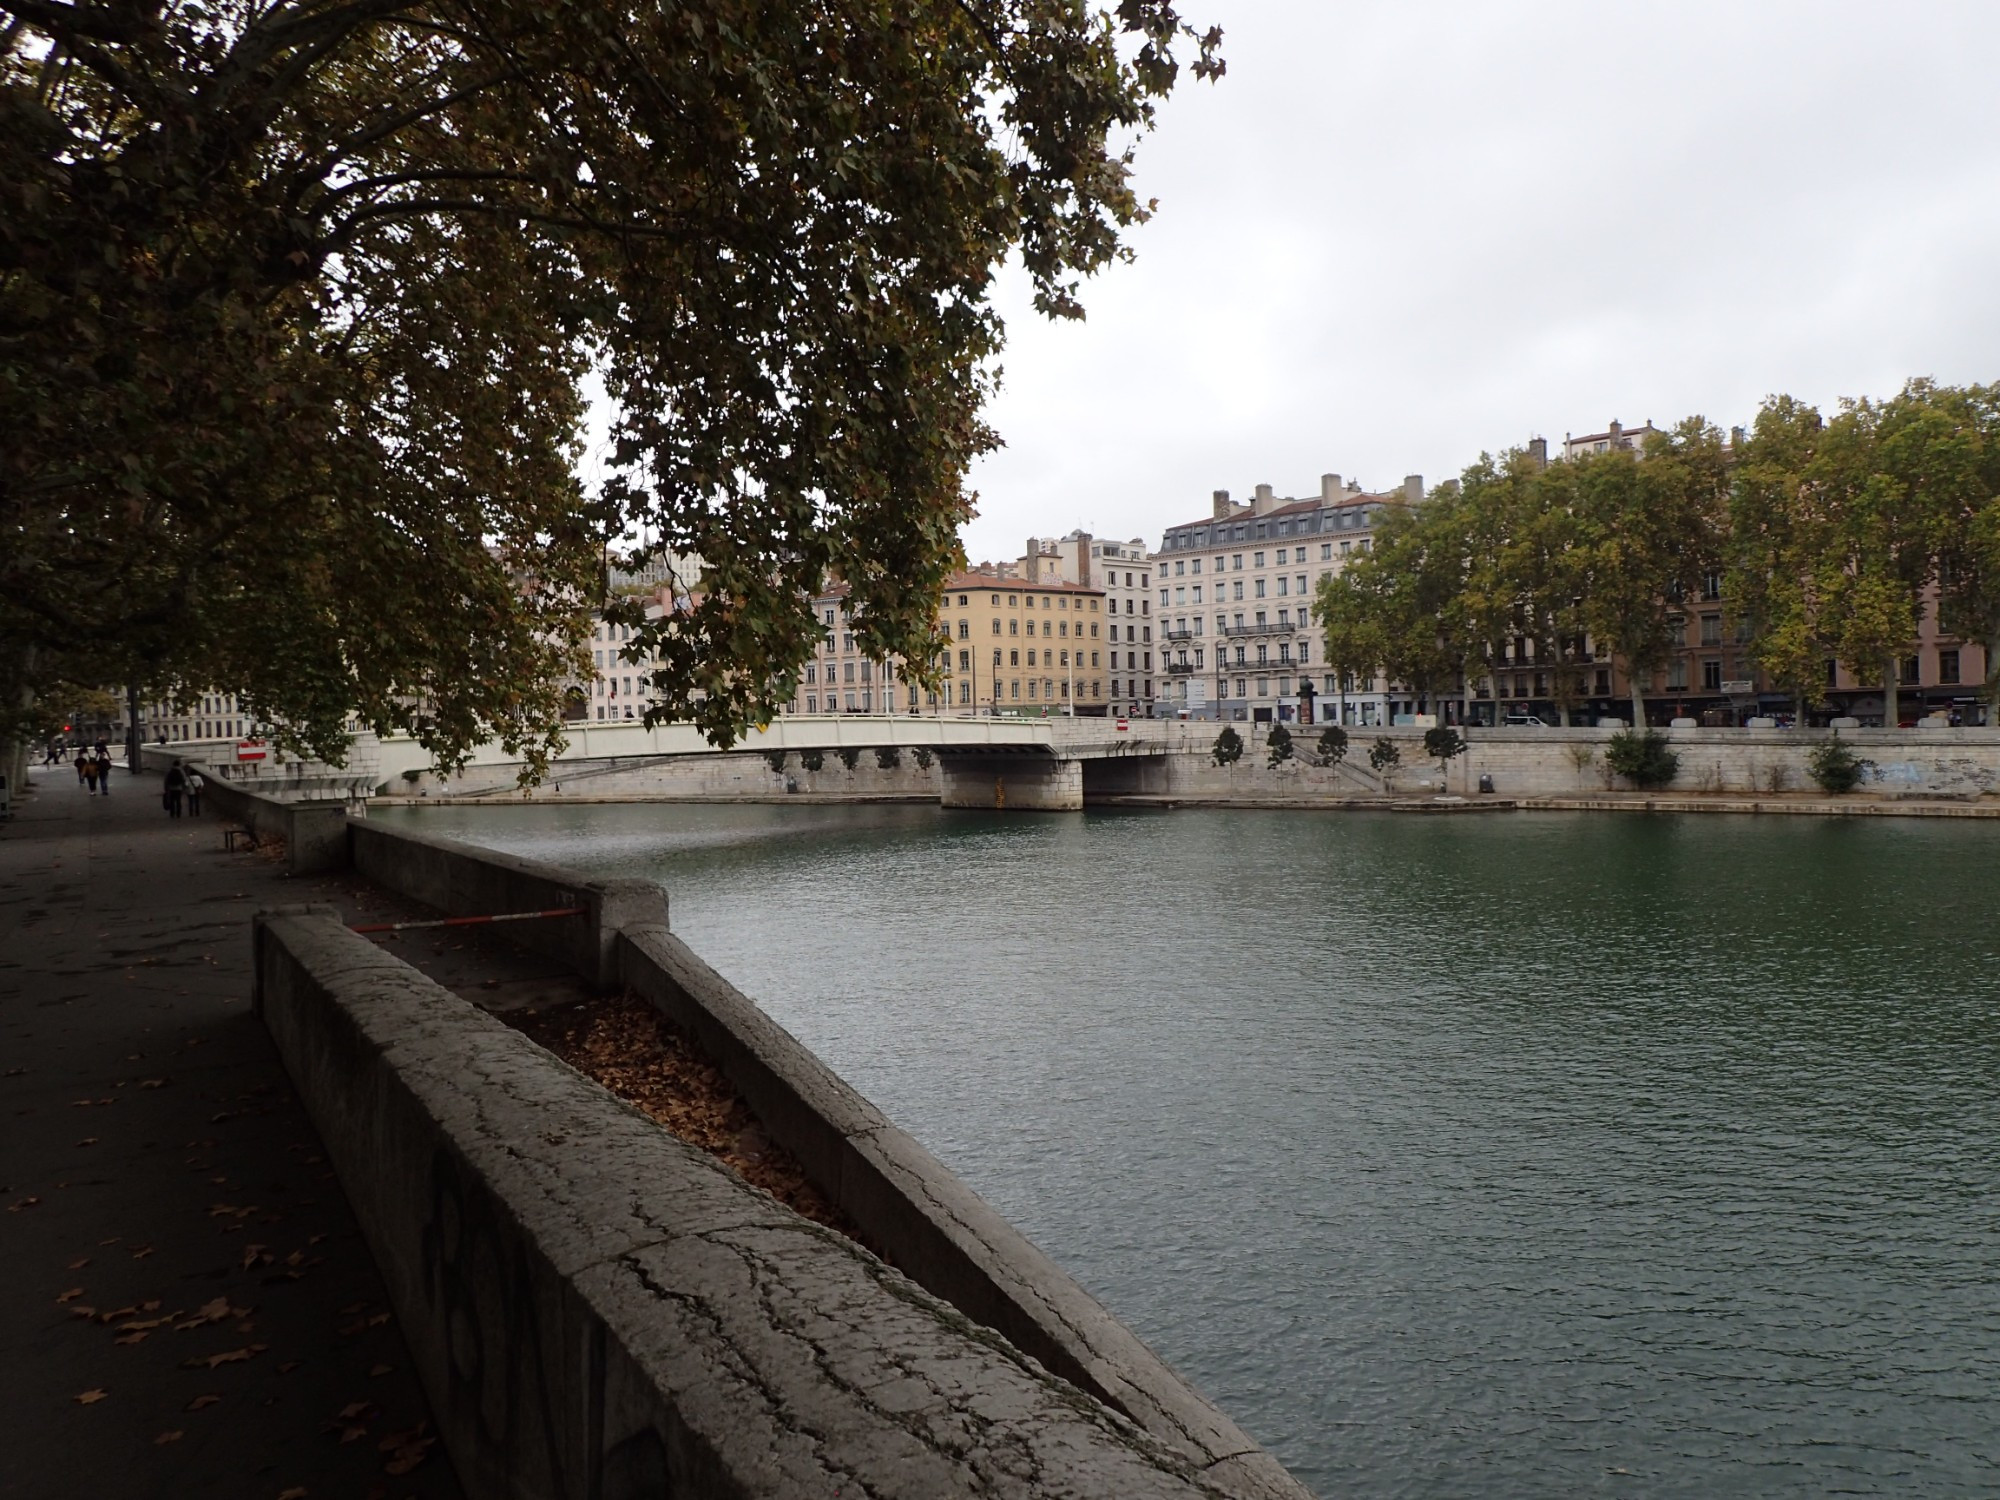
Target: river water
{"type": "Point", "coordinates": [1501, 1155]}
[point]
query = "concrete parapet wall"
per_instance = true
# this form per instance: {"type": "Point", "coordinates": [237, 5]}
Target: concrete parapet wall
{"type": "Point", "coordinates": [314, 833]}
{"type": "Point", "coordinates": [464, 880]}
{"type": "Point", "coordinates": [929, 1223]}
{"type": "Point", "coordinates": [735, 776]}
{"type": "Point", "coordinates": [597, 1309]}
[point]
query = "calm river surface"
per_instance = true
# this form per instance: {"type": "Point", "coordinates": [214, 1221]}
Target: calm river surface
{"type": "Point", "coordinates": [1514, 1155]}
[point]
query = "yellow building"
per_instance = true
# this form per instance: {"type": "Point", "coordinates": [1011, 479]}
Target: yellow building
{"type": "Point", "coordinates": [1021, 648]}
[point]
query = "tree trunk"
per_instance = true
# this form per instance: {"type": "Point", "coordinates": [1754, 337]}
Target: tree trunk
{"type": "Point", "coordinates": [132, 730]}
{"type": "Point", "coordinates": [1889, 714]}
{"type": "Point", "coordinates": [1638, 697]}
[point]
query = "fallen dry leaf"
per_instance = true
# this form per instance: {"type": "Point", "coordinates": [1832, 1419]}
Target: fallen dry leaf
{"type": "Point", "coordinates": [16, 1207]}
{"type": "Point", "coordinates": [296, 1492]}
{"type": "Point", "coordinates": [166, 1437]}
{"type": "Point", "coordinates": [89, 1140]}
{"type": "Point", "coordinates": [69, 1296]}
{"type": "Point", "coordinates": [376, 1371]}
{"type": "Point", "coordinates": [153, 1083]}
{"type": "Point", "coordinates": [288, 1366]}
{"type": "Point", "coordinates": [227, 1357]}
{"type": "Point", "coordinates": [78, 1265]}
{"type": "Point", "coordinates": [142, 1252]}
{"type": "Point", "coordinates": [81, 1311]}
{"type": "Point", "coordinates": [201, 1401]}
{"type": "Point", "coordinates": [378, 1320]}
{"type": "Point", "coordinates": [90, 1398]}
{"type": "Point", "coordinates": [132, 1338]}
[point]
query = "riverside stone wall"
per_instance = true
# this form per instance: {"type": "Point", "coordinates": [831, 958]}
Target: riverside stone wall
{"type": "Point", "coordinates": [1531, 762]}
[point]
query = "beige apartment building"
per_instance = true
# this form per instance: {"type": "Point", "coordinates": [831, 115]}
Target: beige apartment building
{"type": "Point", "coordinates": [1233, 599]}
{"type": "Point", "coordinates": [1022, 647]}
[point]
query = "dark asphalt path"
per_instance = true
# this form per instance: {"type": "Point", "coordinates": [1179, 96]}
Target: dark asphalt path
{"type": "Point", "coordinates": [187, 1307]}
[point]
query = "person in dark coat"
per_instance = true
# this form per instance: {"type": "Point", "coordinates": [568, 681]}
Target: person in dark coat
{"type": "Point", "coordinates": [88, 762]}
{"type": "Point", "coordinates": [176, 785]}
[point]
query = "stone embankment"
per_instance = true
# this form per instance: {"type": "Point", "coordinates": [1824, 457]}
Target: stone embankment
{"type": "Point", "coordinates": [598, 1307]}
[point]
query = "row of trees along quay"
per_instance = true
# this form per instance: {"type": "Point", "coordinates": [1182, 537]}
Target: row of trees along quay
{"type": "Point", "coordinates": [301, 303]}
{"type": "Point", "coordinates": [1831, 536]}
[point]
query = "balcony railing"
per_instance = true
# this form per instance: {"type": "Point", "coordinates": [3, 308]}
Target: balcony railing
{"type": "Point", "coordinates": [1177, 635]}
{"type": "Point", "coordinates": [1182, 669]}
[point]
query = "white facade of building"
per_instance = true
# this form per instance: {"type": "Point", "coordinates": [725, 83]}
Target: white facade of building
{"type": "Point", "coordinates": [1233, 596]}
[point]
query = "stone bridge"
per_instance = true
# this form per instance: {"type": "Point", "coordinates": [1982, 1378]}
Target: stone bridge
{"type": "Point", "coordinates": [1024, 764]}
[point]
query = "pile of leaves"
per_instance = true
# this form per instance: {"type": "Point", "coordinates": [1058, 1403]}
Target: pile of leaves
{"type": "Point", "coordinates": [640, 1056]}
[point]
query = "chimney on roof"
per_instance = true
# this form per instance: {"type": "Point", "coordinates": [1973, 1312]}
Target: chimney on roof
{"type": "Point", "coordinates": [1329, 486]}
{"type": "Point", "coordinates": [1031, 561]}
{"type": "Point", "coordinates": [1737, 437]}
{"type": "Point", "coordinates": [1538, 452]}
{"type": "Point", "coordinates": [1413, 488]}
{"type": "Point", "coordinates": [1083, 558]}
{"type": "Point", "coordinates": [1617, 433]}
{"type": "Point", "coordinates": [1265, 503]}
{"type": "Point", "coordinates": [1221, 507]}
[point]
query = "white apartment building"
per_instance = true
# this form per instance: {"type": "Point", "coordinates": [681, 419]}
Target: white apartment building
{"type": "Point", "coordinates": [1123, 572]}
{"type": "Point", "coordinates": [1234, 593]}
{"type": "Point", "coordinates": [207, 716]}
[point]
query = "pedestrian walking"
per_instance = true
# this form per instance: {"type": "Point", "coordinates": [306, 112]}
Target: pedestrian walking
{"type": "Point", "coordinates": [176, 785]}
{"type": "Point", "coordinates": [87, 763]}
{"type": "Point", "coordinates": [104, 767]}
{"type": "Point", "coordinates": [195, 782]}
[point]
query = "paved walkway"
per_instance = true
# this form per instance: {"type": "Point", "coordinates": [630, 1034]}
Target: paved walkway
{"type": "Point", "coordinates": [187, 1307]}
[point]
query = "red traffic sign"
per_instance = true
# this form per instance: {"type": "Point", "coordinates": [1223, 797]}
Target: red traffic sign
{"type": "Point", "coordinates": [249, 749]}
{"type": "Point", "coordinates": [1123, 726]}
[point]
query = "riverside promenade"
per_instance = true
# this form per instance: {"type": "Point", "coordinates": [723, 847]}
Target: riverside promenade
{"type": "Point", "coordinates": [189, 1308]}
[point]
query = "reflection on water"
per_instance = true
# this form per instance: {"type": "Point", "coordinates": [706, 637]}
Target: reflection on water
{"type": "Point", "coordinates": [1508, 1155]}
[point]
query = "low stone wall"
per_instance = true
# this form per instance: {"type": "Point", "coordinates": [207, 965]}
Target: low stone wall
{"type": "Point", "coordinates": [314, 832]}
{"type": "Point", "coordinates": [598, 1309]}
{"type": "Point", "coordinates": [1545, 762]}
{"type": "Point", "coordinates": [929, 1224]}
{"type": "Point", "coordinates": [462, 880]}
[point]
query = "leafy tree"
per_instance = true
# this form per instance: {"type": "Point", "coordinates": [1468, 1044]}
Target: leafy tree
{"type": "Point", "coordinates": [922, 756]}
{"type": "Point", "coordinates": [849, 758]}
{"type": "Point", "coordinates": [888, 758]}
{"type": "Point", "coordinates": [1650, 530]}
{"type": "Point", "coordinates": [1641, 756]}
{"type": "Point", "coordinates": [1444, 744]}
{"type": "Point", "coordinates": [1228, 746]}
{"type": "Point", "coordinates": [1384, 755]}
{"type": "Point", "coordinates": [812, 760]}
{"type": "Point", "coordinates": [1332, 745]}
{"type": "Point", "coordinates": [775, 759]}
{"type": "Point", "coordinates": [1400, 609]}
{"type": "Point", "coordinates": [1772, 543]}
{"type": "Point", "coordinates": [1834, 766]}
{"type": "Point", "coordinates": [1279, 744]}
{"type": "Point", "coordinates": [301, 299]}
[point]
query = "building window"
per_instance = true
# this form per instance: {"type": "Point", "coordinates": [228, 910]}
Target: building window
{"type": "Point", "coordinates": [1711, 586]}
{"type": "Point", "coordinates": [1711, 674]}
{"type": "Point", "coordinates": [1911, 670]}
{"type": "Point", "coordinates": [1711, 630]}
{"type": "Point", "coordinates": [1947, 666]}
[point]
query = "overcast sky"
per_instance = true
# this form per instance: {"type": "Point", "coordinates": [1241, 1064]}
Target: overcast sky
{"type": "Point", "coordinates": [1401, 233]}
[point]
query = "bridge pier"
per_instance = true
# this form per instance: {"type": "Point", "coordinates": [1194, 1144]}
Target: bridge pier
{"type": "Point", "coordinates": [1019, 783]}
